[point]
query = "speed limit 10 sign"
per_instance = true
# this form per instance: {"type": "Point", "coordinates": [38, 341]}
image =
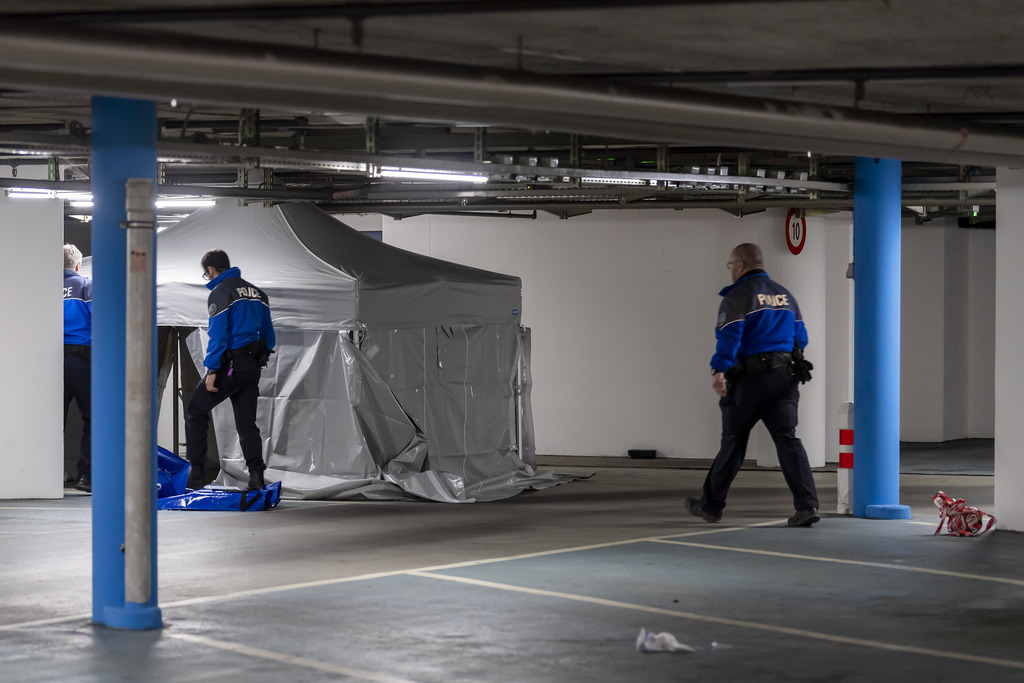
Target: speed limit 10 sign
{"type": "Point", "coordinates": [796, 231]}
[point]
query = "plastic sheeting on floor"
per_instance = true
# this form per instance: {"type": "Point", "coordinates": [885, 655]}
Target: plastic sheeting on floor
{"type": "Point", "coordinates": [396, 376]}
{"type": "Point", "coordinates": [171, 474]}
{"type": "Point", "coordinates": [224, 500]}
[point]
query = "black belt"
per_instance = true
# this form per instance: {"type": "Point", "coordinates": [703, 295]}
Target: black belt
{"type": "Point", "coordinates": [250, 350]}
{"type": "Point", "coordinates": [764, 362]}
{"type": "Point", "coordinates": [78, 350]}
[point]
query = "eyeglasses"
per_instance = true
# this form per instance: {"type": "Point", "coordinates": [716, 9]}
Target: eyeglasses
{"type": "Point", "coordinates": [729, 264]}
{"type": "Point", "coordinates": [206, 273]}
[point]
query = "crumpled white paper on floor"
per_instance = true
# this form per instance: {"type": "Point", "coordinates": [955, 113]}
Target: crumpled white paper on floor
{"type": "Point", "coordinates": [649, 641]}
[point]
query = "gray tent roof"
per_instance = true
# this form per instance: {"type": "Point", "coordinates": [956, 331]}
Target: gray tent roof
{"type": "Point", "coordinates": [322, 274]}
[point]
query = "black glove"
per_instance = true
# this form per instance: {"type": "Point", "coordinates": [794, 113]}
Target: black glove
{"type": "Point", "coordinates": [802, 370]}
{"type": "Point", "coordinates": [801, 366]}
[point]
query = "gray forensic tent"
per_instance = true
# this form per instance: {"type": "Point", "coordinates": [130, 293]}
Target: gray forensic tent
{"type": "Point", "coordinates": [396, 376]}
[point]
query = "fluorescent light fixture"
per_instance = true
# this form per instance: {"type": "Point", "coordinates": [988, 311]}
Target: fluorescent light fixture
{"type": "Point", "coordinates": [184, 203]}
{"type": "Point", "coordinates": [30, 193]}
{"type": "Point", "coordinates": [428, 174]}
{"type": "Point", "coordinates": [84, 200]}
{"type": "Point", "coordinates": [74, 196]}
{"type": "Point", "coordinates": [615, 181]}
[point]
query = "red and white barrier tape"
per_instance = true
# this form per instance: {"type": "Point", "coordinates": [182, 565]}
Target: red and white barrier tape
{"type": "Point", "coordinates": [960, 518]}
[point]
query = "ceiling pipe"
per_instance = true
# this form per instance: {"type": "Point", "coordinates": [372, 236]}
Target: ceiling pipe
{"type": "Point", "coordinates": [35, 56]}
{"type": "Point", "coordinates": [358, 164]}
{"type": "Point", "coordinates": [824, 76]}
{"type": "Point", "coordinates": [360, 11]}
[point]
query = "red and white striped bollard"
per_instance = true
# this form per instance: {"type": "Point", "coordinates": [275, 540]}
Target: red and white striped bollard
{"type": "Point", "coordinates": [844, 473]}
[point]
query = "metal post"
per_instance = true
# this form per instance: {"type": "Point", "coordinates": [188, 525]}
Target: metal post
{"type": "Point", "coordinates": [123, 146]}
{"type": "Point", "coordinates": [138, 419]}
{"type": "Point", "coordinates": [175, 387]}
{"type": "Point", "coordinates": [876, 383]}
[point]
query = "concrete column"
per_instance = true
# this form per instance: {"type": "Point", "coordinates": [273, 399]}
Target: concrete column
{"type": "Point", "coordinates": [124, 135]}
{"type": "Point", "coordinates": [1009, 389]}
{"type": "Point", "coordinates": [876, 383]}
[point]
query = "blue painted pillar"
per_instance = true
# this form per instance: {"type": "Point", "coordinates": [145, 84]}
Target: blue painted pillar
{"type": "Point", "coordinates": [124, 136]}
{"type": "Point", "coordinates": [876, 338]}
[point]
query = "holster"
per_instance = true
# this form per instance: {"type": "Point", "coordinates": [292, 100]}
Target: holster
{"type": "Point", "coordinates": [801, 366]}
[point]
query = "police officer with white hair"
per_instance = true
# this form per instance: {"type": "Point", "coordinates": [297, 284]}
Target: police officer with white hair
{"type": "Point", "coordinates": [78, 356]}
{"type": "Point", "coordinates": [241, 340]}
{"type": "Point", "coordinates": [756, 369]}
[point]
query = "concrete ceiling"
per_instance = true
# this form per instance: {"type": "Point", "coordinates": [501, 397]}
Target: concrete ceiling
{"type": "Point", "coordinates": [557, 102]}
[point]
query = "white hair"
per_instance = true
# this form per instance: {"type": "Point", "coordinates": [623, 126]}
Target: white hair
{"type": "Point", "coordinates": [72, 256]}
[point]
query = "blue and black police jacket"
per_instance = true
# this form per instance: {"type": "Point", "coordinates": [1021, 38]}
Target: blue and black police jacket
{"type": "Point", "coordinates": [77, 308]}
{"type": "Point", "coordinates": [756, 316]}
{"type": "Point", "coordinates": [239, 315]}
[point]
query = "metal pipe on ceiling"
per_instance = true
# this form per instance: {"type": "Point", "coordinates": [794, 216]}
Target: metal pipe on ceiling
{"type": "Point", "coordinates": [359, 11]}
{"type": "Point", "coordinates": [820, 76]}
{"type": "Point", "coordinates": [35, 56]}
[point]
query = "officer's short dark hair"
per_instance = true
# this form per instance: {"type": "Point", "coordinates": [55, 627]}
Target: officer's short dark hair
{"type": "Point", "coordinates": [216, 258]}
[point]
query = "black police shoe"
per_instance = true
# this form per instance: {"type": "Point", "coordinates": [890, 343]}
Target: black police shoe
{"type": "Point", "coordinates": [84, 484]}
{"type": "Point", "coordinates": [256, 480]}
{"type": "Point", "coordinates": [195, 480]}
{"type": "Point", "coordinates": [694, 508]}
{"type": "Point", "coordinates": [804, 517]}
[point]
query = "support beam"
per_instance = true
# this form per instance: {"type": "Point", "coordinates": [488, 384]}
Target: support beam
{"type": "Point", "coordinates": [1009, 315]}
{"type": "Point", "coordinates": [123, 146]}
{"type": "Point", "coordinates": [876, 382]}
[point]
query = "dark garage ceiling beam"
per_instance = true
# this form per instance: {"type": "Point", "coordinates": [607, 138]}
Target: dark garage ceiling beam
{"type": "Point", "coordinates": [360, 11]}
{"type": "Point", "coordinates": [246, 75]}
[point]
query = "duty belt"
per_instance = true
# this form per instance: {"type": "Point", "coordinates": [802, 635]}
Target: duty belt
{"type": "Point", "coordinates": [764, 362]}
{"type": "Point", "coordinates": [250, 350]}
{"type": "Point", "coordinates": [78, 350]}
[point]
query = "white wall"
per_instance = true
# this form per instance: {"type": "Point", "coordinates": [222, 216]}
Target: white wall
{"type": "Point", "coordinates": [838, 357]}
{"type": "Point", "coordinates": [981, 308]}
{"type": "Point", "coordinates": [922, 343]}
{"type": "Point", "coordinates": [947, 385]}
{"type": "Point", "coordinates": [623, 307]}
{"type": "Point", "coordinates": [1009, 330]}
{"type": "Point", "coordinates": [31, 410]}
{"type": "Point", "coordinates": [955, 334]}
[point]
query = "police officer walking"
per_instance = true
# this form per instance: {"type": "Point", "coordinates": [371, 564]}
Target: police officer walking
{"type": "Point", "coordinates": [756, 369]}
{"type": "Point", "coordinates": [241, 340]}
{"type": "Point", "coordinates": [78, 356]}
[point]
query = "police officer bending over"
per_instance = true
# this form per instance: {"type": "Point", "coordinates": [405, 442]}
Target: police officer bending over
{"type": "Point", "coordinates": [241, 341]}
{"type": "Point", "coordinates": [756, 369]}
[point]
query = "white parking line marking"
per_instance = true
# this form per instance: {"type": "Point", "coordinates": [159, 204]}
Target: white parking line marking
{"type": "Point", "coordinates": [288, 659]}
{"type": "Point", "coordinates": [815, 635]}
{"type": "Point", "coordinates": [377, 575]}
{"type": "Point", "coordinates": [835, 560]}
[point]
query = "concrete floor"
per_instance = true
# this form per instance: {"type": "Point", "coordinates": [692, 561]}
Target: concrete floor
{"type": "Point", "coordinates": [549, 586]}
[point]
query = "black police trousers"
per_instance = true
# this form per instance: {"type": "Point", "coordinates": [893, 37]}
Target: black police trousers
{"type": "Point", "coordinates": [78, 386]}
{"type": "Point", "coordinates": [239, 382]}
{"type": "Point", "coordinates": [772, 398]}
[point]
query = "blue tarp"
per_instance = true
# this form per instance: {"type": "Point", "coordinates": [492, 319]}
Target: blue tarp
{"type": "Point", "coordinates": [172, 493]}
{"type": "Point", "coordinates": [266, 498]}
{"type": "Point", "coordinates": [171, 474]}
